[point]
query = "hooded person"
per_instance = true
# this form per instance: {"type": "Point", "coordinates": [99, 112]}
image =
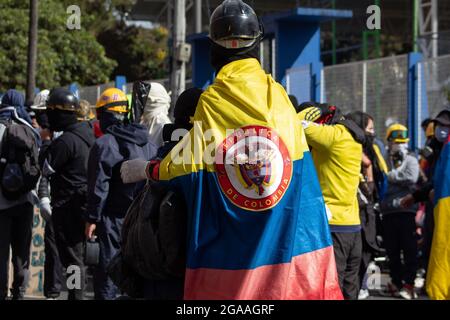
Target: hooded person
{"type": "Point", "coordinates": [16, 215]}
{"type": "Point", "coordinates": [257, 223]}
{"type": "Point", "coordinates": [156, 112]}
{"type": "Point", "coordinates": [108, 197]}
{"type": "Point", "coordinates": [64, 163]}
{"type": "Point", "coordinates": [13, 107]}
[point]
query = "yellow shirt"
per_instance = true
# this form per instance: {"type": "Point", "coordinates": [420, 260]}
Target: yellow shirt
{"type": "Point", "coordinates": [337, 158]}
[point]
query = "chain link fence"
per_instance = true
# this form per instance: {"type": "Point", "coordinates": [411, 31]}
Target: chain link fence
{"type": "Point", "coordinates": [437, 83]}
{"type": "Point", "coordinates": [378, 87]}
{"type": "Point", "coordinates": [92, 93]}
{"type": "Point", "coordinates": [298, 83]}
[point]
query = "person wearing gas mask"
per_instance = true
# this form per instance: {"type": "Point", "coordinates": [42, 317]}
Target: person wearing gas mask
{"type": "Point", "coordinates": [399, 226]}
{"type": "Point", "coordinates": [65, 165]}
{"type": "Point", "coordinates": [437, 280]}
{"type": "Point", "coordinates": [108, 197]}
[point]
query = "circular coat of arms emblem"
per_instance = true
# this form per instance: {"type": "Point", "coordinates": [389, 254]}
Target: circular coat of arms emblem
{"type": "Point", "coordinates": [253, 168]}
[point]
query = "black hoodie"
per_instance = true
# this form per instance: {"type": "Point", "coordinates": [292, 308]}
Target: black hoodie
{"type": "Point", "coordinates": [107, 194]}
{"type": "Point", "coordinates": [65, 162]}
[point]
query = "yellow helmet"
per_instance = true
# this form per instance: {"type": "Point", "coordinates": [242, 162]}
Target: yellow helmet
{"type": "Point", "coordinates": [397, 133]}
{"type": "Point", "coordinates": [113, 99]}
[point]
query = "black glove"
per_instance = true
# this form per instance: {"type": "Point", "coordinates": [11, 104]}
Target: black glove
{"type": "Point", "coordinates": [397, 158]}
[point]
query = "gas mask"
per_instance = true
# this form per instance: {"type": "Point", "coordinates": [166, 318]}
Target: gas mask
{"type": "Point", "coordinates": [398, 152]}
{"type": "Point", "coordinates": [441, 133]}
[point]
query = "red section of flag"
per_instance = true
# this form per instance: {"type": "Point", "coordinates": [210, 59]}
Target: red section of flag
{"type": "Point", "coordinates": [311, 276]}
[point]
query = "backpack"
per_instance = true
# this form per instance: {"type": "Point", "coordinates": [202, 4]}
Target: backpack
{"type": "Point", "coordinates": [154, 234]}
{"type": "Point", "coordinates": [19, 165]}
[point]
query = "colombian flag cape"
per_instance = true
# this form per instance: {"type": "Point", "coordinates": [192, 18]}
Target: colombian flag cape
{"type": "Point", "coordinates": [438, 274]}
{"type": "Point", "coordinates": [257, 225]}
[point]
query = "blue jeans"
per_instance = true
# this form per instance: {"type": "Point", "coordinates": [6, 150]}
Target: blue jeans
{"type": "Point", "coordinates": [109, 232]}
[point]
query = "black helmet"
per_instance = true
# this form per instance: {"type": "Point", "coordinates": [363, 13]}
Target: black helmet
{"type": "Point", "coordinates": [443, 118]}
{"type": "Point", "coordinates": [63, 99]}
{"type": "Point", "coordinates": [234, 24]}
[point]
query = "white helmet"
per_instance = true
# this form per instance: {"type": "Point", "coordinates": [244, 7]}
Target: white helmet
{"type": "Point", "coordinates": [40, 100]}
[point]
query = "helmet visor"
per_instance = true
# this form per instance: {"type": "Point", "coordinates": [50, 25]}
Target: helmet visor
{"type": "Point", "coordinates": [398, 134]}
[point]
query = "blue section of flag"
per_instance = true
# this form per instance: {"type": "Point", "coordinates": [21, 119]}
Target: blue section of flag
{"type": "Point", "coordinates": [224, 236]}
{"type": "Point", "coordinates": [442, 175]}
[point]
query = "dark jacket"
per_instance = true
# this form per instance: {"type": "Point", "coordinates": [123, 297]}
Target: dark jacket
{"type": "Point", "coordinates": [12, 110]}
{"type": "Point", "coordinates": [44, 186]}
{"type": "Point", "coordinates": [107, 194]}
{"type": "Point", "coordinates": [65, 163]}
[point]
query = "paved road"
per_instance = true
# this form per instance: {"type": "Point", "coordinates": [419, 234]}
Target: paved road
{"type": "Point", "coordinates": [379, 294]}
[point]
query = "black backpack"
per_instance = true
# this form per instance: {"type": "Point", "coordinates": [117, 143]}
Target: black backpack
{"type": "Point", "coordinates": [154, 234]}
{"type": "Point", "coordinates": [19, 165]}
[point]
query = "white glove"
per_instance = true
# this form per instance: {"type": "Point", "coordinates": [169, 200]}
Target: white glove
{"type": "Point", "coordinates": [133, 171]}
{"type": "Point", "coordinates": [45, 209]}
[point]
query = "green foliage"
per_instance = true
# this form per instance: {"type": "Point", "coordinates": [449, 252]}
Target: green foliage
{"type": "Point", "coordinates": [102, 48]}
{"type": "Point", "coordinates": [98, 15]}
{"type": "Point", "coordinates": [64, 56]}
{"type": "Point", "coordinates": [140, 53]}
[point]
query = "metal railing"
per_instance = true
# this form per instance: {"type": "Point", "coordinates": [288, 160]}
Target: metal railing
{"type": "Point", "coordinates": [378, 87]}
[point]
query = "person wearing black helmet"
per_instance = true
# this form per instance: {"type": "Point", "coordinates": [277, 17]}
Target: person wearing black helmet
{"type": "Point", "coordinates": [235, 33]}
{"type": "Point", "coordinates": [250, 189]}
{"type": "Point", "coordinates": [65, 164]}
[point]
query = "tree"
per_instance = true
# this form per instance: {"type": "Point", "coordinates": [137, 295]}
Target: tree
{"type": "Point", "coordinates": [64, 56]}
{"type": "Point", "coordinates": [32, 49]}
{"type": "Point", "coordinates": [140, 53]}
{"type": "Point", "coordinates": [101, 15]}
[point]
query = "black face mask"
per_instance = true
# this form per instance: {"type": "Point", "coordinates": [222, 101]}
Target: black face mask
{"type": "Point", "coordinates": [108, 119]}
{"type": "Point", "coordinates": [59, 120]}
{"type": "Point", "coordinates": [220, 56]}
{"type": "Point", "coordinates": [370, 138]}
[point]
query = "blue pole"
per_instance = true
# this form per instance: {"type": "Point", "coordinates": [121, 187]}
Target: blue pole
{"type": "Point", "coordinates": [73, 87]}
{"type": "Point", "coordinates": [417, 100]}
{"type": "Point", "coordinates": [121, 83]}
